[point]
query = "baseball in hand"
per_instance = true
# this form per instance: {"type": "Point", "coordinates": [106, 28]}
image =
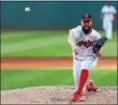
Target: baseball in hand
{"type": "Point", "coordinates": [76, 51]}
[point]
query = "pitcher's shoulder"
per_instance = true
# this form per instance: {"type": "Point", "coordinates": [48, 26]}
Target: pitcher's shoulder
{"type": "Point", "coordinates": [96, 34]}
{"type": "Point", "coordinates": [77, 28]}
{"type": "Point", "coordinates": [76, 31]}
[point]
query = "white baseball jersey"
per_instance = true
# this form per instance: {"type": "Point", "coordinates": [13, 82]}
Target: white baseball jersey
{"type": "Point", "coordinates": [108, 12]}
{"type": "Point", "coordinates": [85, 42]}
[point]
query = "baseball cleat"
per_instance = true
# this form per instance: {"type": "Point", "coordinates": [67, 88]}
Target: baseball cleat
{"type": "Point", "coordinates": [88, 87]}
{"type": "Point", "coordinates": [76, 97]}
{"type": "Point", "coordinates": [91, 86]}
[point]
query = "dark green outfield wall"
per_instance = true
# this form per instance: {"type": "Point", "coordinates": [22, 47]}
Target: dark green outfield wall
{"type": "Point", "coordinates": [49, 15]}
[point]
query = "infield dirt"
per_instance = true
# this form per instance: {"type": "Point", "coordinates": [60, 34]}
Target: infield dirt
{"type": "Point", "coordinates": [58, 95]}
{"type": "Point", "coordinates": [40, 63]}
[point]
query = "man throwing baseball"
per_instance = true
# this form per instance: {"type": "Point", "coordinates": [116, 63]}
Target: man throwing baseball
{"type": "Point", "coordinates": [82, 38]}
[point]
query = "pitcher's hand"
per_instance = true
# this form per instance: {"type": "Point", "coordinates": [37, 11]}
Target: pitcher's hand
{"type": "Point", "coordinates": [76, 50]}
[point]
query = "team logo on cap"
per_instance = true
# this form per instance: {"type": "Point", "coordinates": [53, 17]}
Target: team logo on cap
{"type": "Point", "coordinates": [86, 16]}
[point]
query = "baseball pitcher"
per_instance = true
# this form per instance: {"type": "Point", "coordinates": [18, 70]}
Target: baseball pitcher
{"type": "Point", "coordinates": [86, 45]}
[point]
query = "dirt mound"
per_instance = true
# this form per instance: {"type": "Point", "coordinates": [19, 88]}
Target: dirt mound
{"type": "Point", "coordinates": [57, 95]}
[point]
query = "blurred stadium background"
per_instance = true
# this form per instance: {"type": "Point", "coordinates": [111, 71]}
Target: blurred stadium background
{"type": "Point", "coordinates": [46, 26]}
{"type": "Point", "coordinates": [43, 32]}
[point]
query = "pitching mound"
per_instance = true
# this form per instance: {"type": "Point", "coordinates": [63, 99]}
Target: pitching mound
{"type": "Point", "coordinates": [57, 95]}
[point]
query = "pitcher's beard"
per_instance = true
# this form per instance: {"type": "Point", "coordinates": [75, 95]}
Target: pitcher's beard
{"type": "Point", "coordinates": [86, 31]}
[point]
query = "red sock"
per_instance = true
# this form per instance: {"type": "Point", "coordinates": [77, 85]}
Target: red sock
{"type": "Point", "coordinates": [82, 80]}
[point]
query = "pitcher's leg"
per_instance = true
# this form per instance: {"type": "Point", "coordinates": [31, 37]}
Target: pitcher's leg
{"type": "Point", "coordinates": [91, 65]}
{"type": "Point", "coordinates": [81, 79]}
{"type": "Point", "coordinates": [76, 76]}
{"type": "Point", "coordinates": [76, 72]}
{"type": "Point", "coordinates": [85, 67]}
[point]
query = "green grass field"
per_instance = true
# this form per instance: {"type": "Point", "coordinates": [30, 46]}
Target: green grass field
{"type": "Point", "coordinates": [48, 44]}
{"type": "Point", "coordinates": [44, 44]}
{"type": "Point", "coordinates": [12, 79]}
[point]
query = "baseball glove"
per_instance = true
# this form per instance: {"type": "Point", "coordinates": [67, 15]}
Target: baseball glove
{"type": "Point", "coordinates": [99, 43]}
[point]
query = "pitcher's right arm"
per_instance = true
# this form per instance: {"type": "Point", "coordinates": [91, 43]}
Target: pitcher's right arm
{"type": "Point", "coordinates": [72, 42]}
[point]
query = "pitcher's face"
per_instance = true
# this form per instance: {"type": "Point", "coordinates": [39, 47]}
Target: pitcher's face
{"type": "Point", "coordinates": [86, 25]}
